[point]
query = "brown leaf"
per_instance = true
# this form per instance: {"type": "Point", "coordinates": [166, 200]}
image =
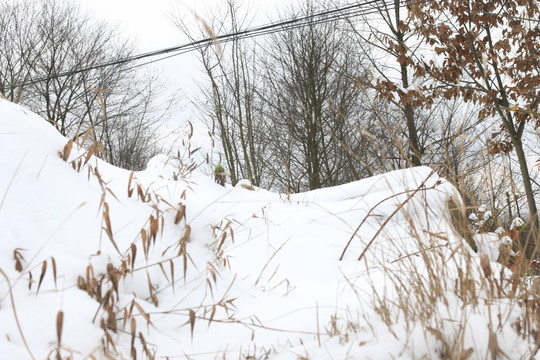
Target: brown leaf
{"type": "Point", "coordinates": [465, 354]}
{"type": "Point", "coordinates": [89, 154]}
{"type": "Point", "coordinates": [111, 318]}
{"type": "Point", "coordinates": [187, 235]}
{"type": "Point", "coordinates": [145, 242]}
{"type": "Point", "coordinates": [17, 256]}
{"type": "Point", "coordinates": [140, 193]}
{"type": "Point", "coordinates": [180, 213]}
{"type": "Point", "coordinates": [108, 226]}
{"type": "Point", "coordinates": [163, 271]}
{"type": "Point", "coordinates": [43, 271]}
{"type": "Point", "coordinates": [192, 321]}
{"type": "Point", "coordinates": [213, 271]}
{"type": "Point", "coordinates": [154, 227]}
{"type": "Point", "coordinates": [151, 289]}
{"type": "Point", "coordinates": [436, 333]}
{"type": "Point", "coordinates": [212, 314]}
{"type": "Point", "coordinates": [112, 193]}
{"type": "Point", "coordinates": [133, 255]}
{"type": "Point", "coordinates": [59, 326]}
{"type": "Point", "coordinates": [145, 347]}
{"type": "Point", "coordinates": [113, 276]}
{"type": "Point", "coordinates": [54, 270]}
{"type": "Point", "coordinates": [67, 150]}
{"type": "Point", "coordinates": [89, 272]}
{"type": "Point", "coordinates": [172, 274]}
{"type": "Point", "coordinates": [130, 190]}
{"type": "Point", "coordinates": [126, 316]}
{"type": "Point", "coordinates": [133, 334]}
{"type": "Point", "coordinates": [143, 313]}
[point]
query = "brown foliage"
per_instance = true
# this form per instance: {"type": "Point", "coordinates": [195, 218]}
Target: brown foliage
{"type": "Point", "coordinates": [487, 54]}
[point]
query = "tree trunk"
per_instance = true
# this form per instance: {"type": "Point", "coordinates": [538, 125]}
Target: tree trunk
{"type": "Point", "coordinates": [527, 184]}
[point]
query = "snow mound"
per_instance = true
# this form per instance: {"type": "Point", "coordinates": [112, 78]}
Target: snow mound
{"type": "Point", "coordinates": [100, 262]}
{"type": "Point", "coordinates": [488, 244]}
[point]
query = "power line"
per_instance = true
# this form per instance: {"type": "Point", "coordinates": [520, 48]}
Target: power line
{"type": "Point", "coordinates": [362, 9]}
{"type": "Point", "coordinates": [319, 18]}
{"type": "Point", "coordinates": [338, 14]}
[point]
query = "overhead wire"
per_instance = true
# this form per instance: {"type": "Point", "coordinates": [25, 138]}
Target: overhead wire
{"type": "Point", "coordinates": [337, 14]}
{"type": "Point", "coordinates": [364, 8]}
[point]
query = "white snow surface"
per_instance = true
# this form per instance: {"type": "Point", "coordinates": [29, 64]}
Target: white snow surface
{"type": "Point", "coordinates": [264, 267]}
{"type": "Point", "coordinates": [488, 244]}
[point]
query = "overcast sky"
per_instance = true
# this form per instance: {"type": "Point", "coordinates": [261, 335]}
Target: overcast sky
{"type": "Point", "coordinates": [149, 24]}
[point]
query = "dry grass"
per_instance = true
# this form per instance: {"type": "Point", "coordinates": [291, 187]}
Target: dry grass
{"type": "Point", "coordinates": [440, 284]}
{"type": "Point", "coordinates": [15, 314]}
{"type": "Point", "coordinates": [103, 285]}
{"type": "Point", "coordinates": [444, 285]}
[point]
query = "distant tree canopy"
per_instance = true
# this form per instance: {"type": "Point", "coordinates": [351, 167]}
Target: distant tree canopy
{"type": "Point", "coordinates": [288, 113]}
{"type": "Point", "coordinates": [313, 104]}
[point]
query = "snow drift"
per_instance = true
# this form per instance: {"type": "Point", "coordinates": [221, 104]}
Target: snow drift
{"type": "Point", "coordinates": [100, 262]}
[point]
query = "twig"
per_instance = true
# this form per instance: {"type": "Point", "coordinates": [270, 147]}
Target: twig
{"type": "Point", "coordinates": [421, 187]}
{"type": "Point", "coordinates": [386, 221]}
{"type": "Point", "coordinates": [11, 181]}
{"type": "Point", "coordinates": [15, 314]}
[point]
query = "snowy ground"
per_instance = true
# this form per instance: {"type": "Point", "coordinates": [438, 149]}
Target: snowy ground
{"type": "Point", "coordinates": [98, 262]}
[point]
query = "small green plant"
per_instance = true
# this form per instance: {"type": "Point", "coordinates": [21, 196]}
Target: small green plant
{"type": "Point", "coordinates": [219, 174]}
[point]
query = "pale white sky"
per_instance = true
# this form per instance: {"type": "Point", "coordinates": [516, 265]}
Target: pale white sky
{"type": "Point", "coordinates": [148, 23]}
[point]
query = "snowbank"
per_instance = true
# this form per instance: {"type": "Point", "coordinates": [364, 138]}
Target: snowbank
{"type": "Point", "coordinates": [143, 264]}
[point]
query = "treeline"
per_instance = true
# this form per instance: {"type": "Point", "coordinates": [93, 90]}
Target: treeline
{"type": "Point", "coordinates": [449, 84]}
{"type": "Point", "coordinates": [324, 103]}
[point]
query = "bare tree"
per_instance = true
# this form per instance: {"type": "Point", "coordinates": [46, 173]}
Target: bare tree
{"type": "Point", "coordinates": [391, 46]}
{"type": "Point", "coordinates": [17, 52]}
{"type": "Point", "coordinates": [313, 104]}
{"type": "Point", "coordinates": [47, 38]}
{"type": "Point", "coordinates": [129, 121]}
{"type": "Point", "coordinates": [231, 102]}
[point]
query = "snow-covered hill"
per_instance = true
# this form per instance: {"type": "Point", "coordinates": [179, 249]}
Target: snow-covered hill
{"type": "Point", "coordinates": [98, 262]}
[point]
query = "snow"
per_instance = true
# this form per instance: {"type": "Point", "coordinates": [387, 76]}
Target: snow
{"type": "Point", "coordinates": [488, 244]}
{"type": "Point", "coordinates": [517, 223]}
{"type": "Point", "coordinates": [243, 273]}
